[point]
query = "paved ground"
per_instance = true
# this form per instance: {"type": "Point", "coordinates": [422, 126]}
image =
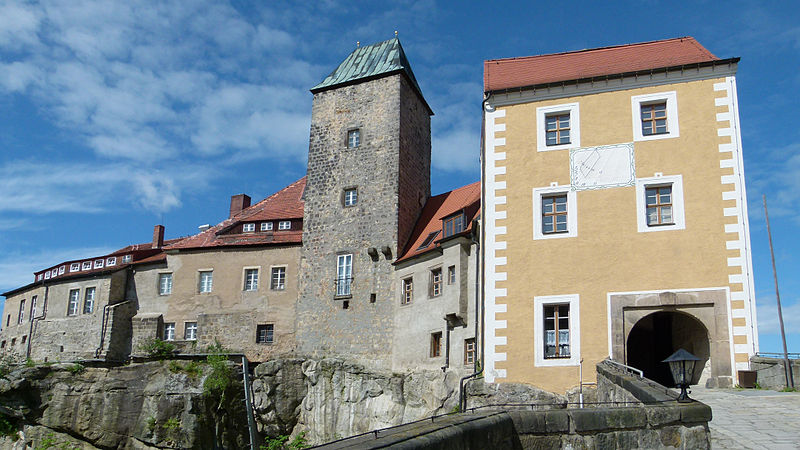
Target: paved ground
{"type": "Point", "coordinates": [750, 418]}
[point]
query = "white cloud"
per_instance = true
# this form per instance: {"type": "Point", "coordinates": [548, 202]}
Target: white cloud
{"type": "Point", "coordinates": [767, 311]}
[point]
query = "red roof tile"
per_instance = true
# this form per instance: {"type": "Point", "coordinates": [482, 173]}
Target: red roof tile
{"type": "Point", "coordinates": [466, 198]}
{"type": "Point", "coordinates": [285, 204]}
{"type": "Point", "coordinates": [509, 73]}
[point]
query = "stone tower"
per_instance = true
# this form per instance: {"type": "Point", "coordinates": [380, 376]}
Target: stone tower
{"type": "Point", "coordinates": [368, 177]}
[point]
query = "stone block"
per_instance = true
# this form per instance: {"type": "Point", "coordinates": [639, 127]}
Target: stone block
{"type": "Point", "coordinates": [696, 437]}
{"type": "Point", "coordinates": [529, 422]}
{"type": "Point", "coordinates": [534, 442]}
{"type": "Point", "coordinates": [659, 415]}
{"type": "Point", "coordinates": [622, 418]}
{"type": "Point", "coordinates": [557, 421]}
{"type": "Point", "coordinates": [695, 412]}
{"type": "Point", "coordinates": [588, 420]}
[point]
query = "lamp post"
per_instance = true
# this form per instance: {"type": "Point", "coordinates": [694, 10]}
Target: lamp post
{"type": "Point", "coordinates": [681, 364]}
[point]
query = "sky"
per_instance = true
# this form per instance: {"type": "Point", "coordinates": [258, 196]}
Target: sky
{"type": "Point", "coordinates": [119, 115]}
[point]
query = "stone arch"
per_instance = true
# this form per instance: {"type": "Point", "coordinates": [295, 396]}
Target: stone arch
{"type": "Point", "coordinates": [656, 336]}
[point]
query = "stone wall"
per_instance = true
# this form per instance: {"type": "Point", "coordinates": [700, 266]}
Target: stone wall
{"type": "Point", "coordinates": [771, 372]}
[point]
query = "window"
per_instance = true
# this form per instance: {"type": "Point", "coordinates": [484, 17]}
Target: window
{"type": "Point", "coordinates": [249, 227]}
{"type": "Point", "coordinates": [655, 116]}
{"type": "Point", "coordinates": [8, 320]}
{"type": "Point", "coordinates": [428, 240]}
{"type": "Point", "coordinates": [555, 213]}
{"type": "Point", "coordinates": [265, 334]}
{"type": "Point", "coordinates": [353, 138]}
{"type": "Point", "coordinates": [87, 265]}
{"type": "Point", "coordinates": [469, 351]}
{"type": "Point", "coordinates": [284, 225]}
{"type": "Point", "coordinates": [408, 291]}
{"type": "Point", "coordinates": [21, 316]}
{"type": "Point", "coordinates": [350, 197]}
{"type": "Point", "coordinates": [436, 283]}
{"type": "Point", "coordinates": [62, 269]}
{"type": "Point", "coordinates": [98, 263]}
{"type": "Point", "coordinates": [344, 274]}
{"type": "Point", "coordinates": [558, 127]}
{"type": "Point", "coordinates": [190, 331]}
{"type": "Point", "coordinates": [88, 300]}
{"type": "Point", "coordinates": [556, 330]}
{"type": "Point", "coordinates": [266, 226]}
{"type": "Point", "coordinates": [436, 344]}
{"type": "Point", "coordinates": [278, 280]}
{"type": "Point", "coordinates": [54, 273]}
{"type": "Point", "coordinates": [206, 281]}
{"type": "Point", "coordinates": [74, 267]}
{"type": "Point", "coordinates": [451, 275]}
{"type": "Point", "coordinates": [72, 307]}
{"type": "Point", "coordinates": [169, 331]}
{"type": "Point", "coordinates": [47, 274]}
{"type": "Point", "coordinates": [39, 277]}
{"type": "Point", "coordinates": [164, 283]}
{"type": "Point", "coordinates": [127, 258]}
{"type": "Point", "coordinates": [251, 279]}
{"type": "Point", "coordinates": [453, 225]}
{"type": "Point", "coordinates": [33, 307]}
{"type": "Point", "coordinates": [659, 203]}
{"type": "Point", "coordinates": [111, 261]}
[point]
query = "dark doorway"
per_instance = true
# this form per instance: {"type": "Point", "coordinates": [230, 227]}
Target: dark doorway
{"type": "Point", "coordinates": [657, 336]}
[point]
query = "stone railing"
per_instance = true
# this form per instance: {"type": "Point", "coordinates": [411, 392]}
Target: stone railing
{"type": "Point", "coordinates": [771, 373]}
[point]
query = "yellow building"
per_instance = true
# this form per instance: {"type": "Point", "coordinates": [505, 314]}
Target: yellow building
{"type": "Point", "coordinates": [615, 215]}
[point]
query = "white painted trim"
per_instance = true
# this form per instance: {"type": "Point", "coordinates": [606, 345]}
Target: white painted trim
{"type": "Point", "coordinates": [574, 126]}
{"type": "Point", "coordinates": [572, 212]}
{"type": "Point", "coordinates": [673, 128]}
{"type": "Point", "coordinates": [677, 202]}
{"type": "Point", "coordinates": [573, 300]}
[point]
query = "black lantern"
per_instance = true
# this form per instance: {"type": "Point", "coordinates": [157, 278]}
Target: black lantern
{"type": "Point", "coordinates": [681, 364]}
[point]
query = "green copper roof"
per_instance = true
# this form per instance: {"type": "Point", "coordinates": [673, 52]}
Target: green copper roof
{"type": "Point", "coordinates": [370, 61]}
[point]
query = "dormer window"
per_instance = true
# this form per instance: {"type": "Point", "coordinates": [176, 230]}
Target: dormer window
{"type": "Point", "coordinates": [39, 277]}
{"type": "Point", "coordinates": [428, 240]}
{"type": "Point", "coordinates": [87, 265]}
{"type": "Point", "coordinates": [285, 225]}
{"type": "Point", "coordinates": [47, 275]}
{"type": "Point", "coordinates": [266, 226]}
{"type": "Point", "coordinates": [74, 267]}
{"type": "Point", "coordinates": [62, 269]}
{"type": "Point", "coordinates": [249, 227]}
{"type": "Point", "coordinates": [111, 261]}
{"type": "Point", "coordinates": [453, 225]}
{"type": "Point", "coordinates": [98, 263]}
{"type": "Point", "coordinates": [54, 273]}
{"type": "Point", "coordinates": [127, 259]}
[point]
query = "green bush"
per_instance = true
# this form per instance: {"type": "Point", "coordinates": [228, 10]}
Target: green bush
{"type": "Point", "coordinates": [7, 427]}
{"type": "Point", "coordinates": [76, 368]}
{"type": "Point", "coordinates": [280, 442]}
{"type": "Point", "coordinates": [192, 368]}
{"type": "Point", "coordinates": [221, 375]}
{"type": "Point", "coordinates": [156, 348]}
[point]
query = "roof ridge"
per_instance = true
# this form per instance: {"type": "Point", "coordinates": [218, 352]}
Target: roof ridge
{"type": "Point", "coordinates": [609, 47]}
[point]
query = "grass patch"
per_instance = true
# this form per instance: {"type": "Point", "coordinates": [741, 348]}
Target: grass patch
{"type": "Point", "coordinates": [789, 389]}
{"type": "Point", "coordinates": [192, 368]}
{"type": "Point", "coordinates": [76, 369]}
{"type": "Point", "coordinates": [282, 442]}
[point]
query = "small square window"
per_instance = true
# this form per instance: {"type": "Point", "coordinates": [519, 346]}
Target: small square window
{"type": "Point", "coordinates": [61, 270]}
{"type": "Point", "coordinates": [111, 261]}
{"type": "Point", "coordinates": [127, 258]}
{"type": "Point", "coordinates": [249, 227]}
{"type": "Point", "coordinates": [436, 344]}
{"type": "Point", "coordinates": [98, 263]}
{"type": "Point", "coordinates": [655, 116]}
{"type": "Point", "coordinates": [266, 226]}
{"type": "Point", "coordinates": [74, 267]}
{"type": "Point", "coordinates": [350, 197]}
{"type": "Point", "coordinates": [169, 331]}
{"type": "Point", "coordinates": [659, 203]}
{"type": "Point", "coordinates": [53, 273]}
{"type": "Point", "coordinates": [554, 214]}
{"type": "Point", "coordinates": [451, 275]}
{"type": "Point", "coordinates": [285, 225]}
{"type": "Point", "coordinates": [87, 265]}
{"type": "Point", "coordinates": [164, 283]}
{"type": "Point", "coordinates": [436, 283]}
{"type": "Point", "coordinates": [265, 334]}
{"type": "Point", "coordinates": [47, 274]}
{"type": "Point", "coordinates": [353, 138]}
{"type": "Point", "coordinates": [408, 291]}
{"type": "Point", "coordinates": [39, 277]}
{"type": "Point", "coordinates": [251, 279]}
{"type": "Point", "coordinates": [206, 281]}
{"type": "Point", "coordinates": [557, 129]}
{"type": "Point", "coordinates": [278, 280]}
{"type": "Point", "coordinates": [190, 331]}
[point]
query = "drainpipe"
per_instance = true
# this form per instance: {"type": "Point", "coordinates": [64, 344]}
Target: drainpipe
{"type": "Point", "coordinates": [36, 319]}
{"type": "Point", "coordinates": [479, 273]}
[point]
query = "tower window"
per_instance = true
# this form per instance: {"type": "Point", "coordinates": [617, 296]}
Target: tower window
{"type": "Point", "coordinates": [353, 138]}
{"type": "Point", "coordinates": [350, 197]}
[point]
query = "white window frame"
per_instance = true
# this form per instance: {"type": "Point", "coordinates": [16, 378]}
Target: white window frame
{"type": "Point", "coordinates": [285, 225]}
{"type": "Point", "coordinates": [162, 290]}
{"type": "Point", "coordinates": [39, 277]}
{"type": "Point", "coordinates": [266, 226]}
{"type": "Point", "coordinates": [254, 286]}
{"type": "Point", "coordinates": [99, 263]}
{"type": "Point", "coordinates": [112, 261]}
{"type": "Point", "coordinates": [127, 259]}
{"type": "Point", "coordinates": [203, 286]}
{"type": "Point", "coordinates": [47, 275]}
{"type": "Point", "coordinates": [282, 285]}
{"type": "Point", "coordinates": [62, 269]}
{"type": "Point", "coordinates": [574, 126]}
{"type": "Point", "coordinates": [572, 212]}
{"type": "Point", "coordinates": [407, 287]}
{"type": "Point", "coordinates": [86, 265]}
{"type": "Point", "coordinates": [344, 275]}
{"type": "Point", "coordinates": [89, 301]}
{"type": "Point", "coordinates": [21, 315]}
{"type": "Point", "coordinates": [54, 273]}
{"type": "Point", "coordinates": [74, 267]}
{"type": "Point", "coordinates": [673, 130]}
{"type": "Point", "coordinates": [350, 200]}
{"type": "Point", "coordinates": [73, 301]}
{"type": "Point", "coordinates": [539, 302]}
{"type": "Point", "coordinates": [248, 227]}
{"type": "Point", "coordinates": [190, 331]}
{"type": "Point", "coordinates": [678, 217]}
{"type": "Point", "coordinates": [357, 141]}
{"type": "Point", "coordinates": [169, 331]}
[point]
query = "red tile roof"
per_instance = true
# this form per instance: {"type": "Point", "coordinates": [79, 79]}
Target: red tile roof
{"type": "Point", "coordinates": [285, 204]}
{"type": "Point", "coordinates": [509, 73]}
{"type": "Point", "coordinates": [466, 198]}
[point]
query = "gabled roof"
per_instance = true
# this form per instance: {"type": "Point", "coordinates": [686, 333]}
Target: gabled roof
{"type": "Point", "coordinates": [466, 198]}
{"type": "Point", "coordinates": [370, 62]}
{"type": "Point", "coordinates": [499, 74]}
{"type": "Point", "coordinates": [285, 204]}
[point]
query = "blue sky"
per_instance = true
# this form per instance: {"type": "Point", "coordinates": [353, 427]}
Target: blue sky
{"type": "Point", "coordinates": [116, 116]}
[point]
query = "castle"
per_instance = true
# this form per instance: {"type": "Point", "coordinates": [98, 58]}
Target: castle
{"type": "Point", "coordinates": [637, 146]}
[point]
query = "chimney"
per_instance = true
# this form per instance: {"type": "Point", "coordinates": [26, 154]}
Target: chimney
{"type": "Point", "coordinates": [158, 236]}
{"type": "Point", "coordinates": [238, 203]}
